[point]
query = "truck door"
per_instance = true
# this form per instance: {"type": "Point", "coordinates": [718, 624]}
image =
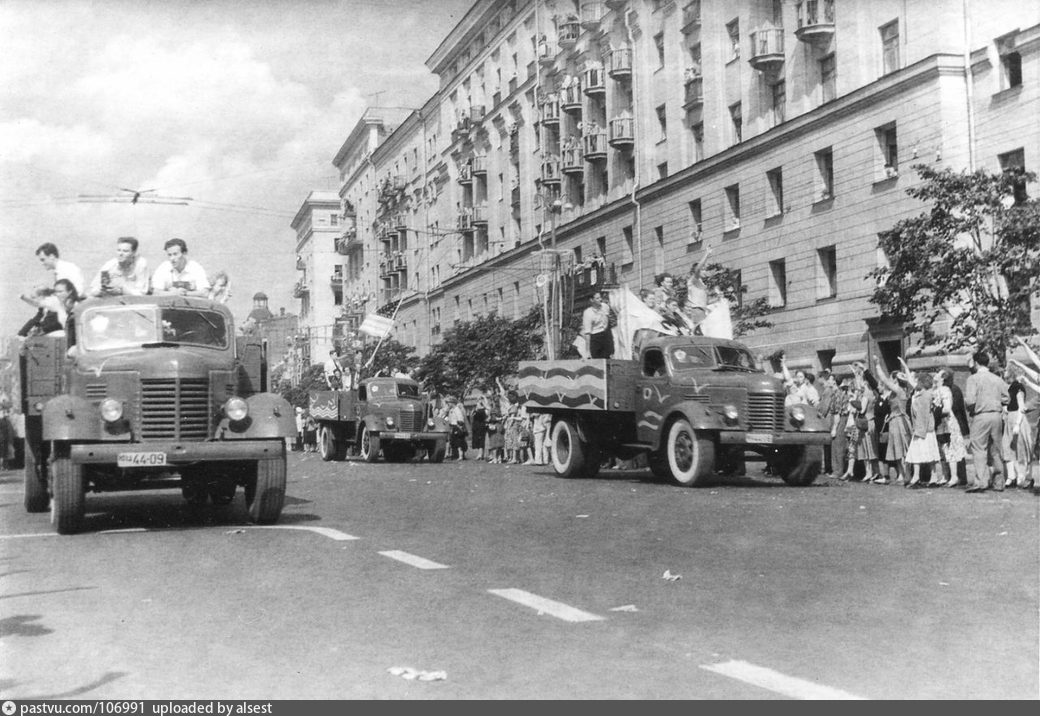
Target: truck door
{"type": "Point", "coordinates": [653, 395]}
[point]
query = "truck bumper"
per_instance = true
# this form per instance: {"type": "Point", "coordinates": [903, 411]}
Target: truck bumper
{"type": "Point", "coordinates": [385, 435]}
{"type": "Point", "coordinates": [765, 440]}
{"type": "Point", "coordinates": [181, 453]}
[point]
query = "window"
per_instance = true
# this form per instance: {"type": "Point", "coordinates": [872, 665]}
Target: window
{"type": "Point", "coordinates": [628, 254]}
{"type": "Point", "coordinates": [501, 187]}
{"type": "Point", "coordinates": [698, 141]}
{"type": "Point", "coordinates": [733, 207]}
{"type": "Point", "coordinates": [775, 179]}
{"type": "Point", "coordinates": [1015, 161]}
{"type": "Point", "coordinates": [659, 250]}
{"type": "Point", "coordinates": [778, 13]}
{"type": "Point", "coordinates": [735, 115]}
{"type": "Point", "coordinates": [827, 272]}
{"type": "Point", "coordinates": [695, 221]}
{"type": "Point", "coordinates": [659, 44]}
{"type": "Point", "coordinates": [778, 283]}
{"type": "Point", "coordinates": [779, 92]}
{"type": "Point", "coordinates": [824, 174]}
{"type": "Point", "coordinates": [601, 246]}
{"type": "Point", "coordinates": [828, 78]}
{"type": "Point", "coordinates": [738, 286]}
{"type": "Point", "coordinates": [733, 30]}
{"type": "Point", "coordinates": [662, 123]}
{"type": "Point", "coordinates": [662, 170]}
{"type": "Point", "coordinates": [889, 47]}
{"type": "Point", "coordinates": [577, 255]}
{"type": "Point", "coordinates": [1010, 63]}
{"type": "Point", "coordinates": [334, 220]}
{"type": "Point", "coordinates": [499, 301]}
{"type": "Point", "coordinates": [516, 300]}
{"type": "Point", "coordinates": [888, 152]}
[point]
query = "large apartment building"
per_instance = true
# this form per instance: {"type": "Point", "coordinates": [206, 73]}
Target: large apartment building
{"type": "Point", "coordinates": [779, 133]}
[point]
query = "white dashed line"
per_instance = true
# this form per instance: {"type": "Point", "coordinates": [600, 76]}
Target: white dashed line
{"type": "Point", "coordinates": [34, 534]}
{"type": "Point", "coordinates": [779, 683]}
{"type": "Point", "coordinates": [546, 606]}
{"type": "Point", "coordinates": [323, 531]}
{"type": "Point", "coordinates": [413, 560]}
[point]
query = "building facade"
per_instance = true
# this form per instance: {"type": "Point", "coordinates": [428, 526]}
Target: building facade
{"type": "Point", "coordinates": [779, 133]}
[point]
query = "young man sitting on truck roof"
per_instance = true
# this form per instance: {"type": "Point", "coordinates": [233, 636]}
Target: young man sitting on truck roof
{"type": "Point", "coordinates": [179, 275]}
{"type": "Point", "coordinates": [124, 275]}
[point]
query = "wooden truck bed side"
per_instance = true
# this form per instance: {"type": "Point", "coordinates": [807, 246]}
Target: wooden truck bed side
{"type": "Point", "coordinates": [592, 384]}
{"type": "Point", "coordinates": [332, 405]}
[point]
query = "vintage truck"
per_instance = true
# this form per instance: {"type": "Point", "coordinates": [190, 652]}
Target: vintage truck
{"type": "Point", "coordinates": [150, 392]}
{"type": "Point", "coordinates": [693, 405]}
{"type": "Point", "coordinates": [387, 415]}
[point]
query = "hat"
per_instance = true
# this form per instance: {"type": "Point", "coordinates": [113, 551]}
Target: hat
{"type": "Point", "coordinates": [299, 409]}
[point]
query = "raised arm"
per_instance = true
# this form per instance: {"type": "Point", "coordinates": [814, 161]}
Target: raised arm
{"type": "Point", "coordinates": [1029, 372]}
{"type": "Point", "coordinates": [1029, 352]}
{"type": "Point", "coordinates": [883, 377]}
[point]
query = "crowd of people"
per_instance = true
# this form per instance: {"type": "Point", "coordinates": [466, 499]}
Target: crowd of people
{"type": "Point", "coordinates": [126, 273]}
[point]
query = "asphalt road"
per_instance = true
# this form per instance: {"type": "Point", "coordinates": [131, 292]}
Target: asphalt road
{"type": "Point", "coordinates": [511, 583]}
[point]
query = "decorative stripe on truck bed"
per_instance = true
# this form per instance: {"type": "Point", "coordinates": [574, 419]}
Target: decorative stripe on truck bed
{"type": "Point", "coordinates": [564, 384]}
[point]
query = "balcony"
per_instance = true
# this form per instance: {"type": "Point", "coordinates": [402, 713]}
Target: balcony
{"type": "Point", "coordinates": [568, 33]}
{"type": "Point", "coordinates": [464, 220]}
{"type": "Point", "coordinates": [547, 52]}
{"type": "Point", "coordinates": [621, 63]}
{"type": "Point", "coordinates": [571, 161]}
{"type": "Point", "coordinates": [348, 243]}
{"type": "Point", "coordinates": [616, 4]}
{"type": "Point", "coordinates": [594, 145]}
{"type": "Point", "coordinates": [767, 50]}
{"type": "Point", "coordinates": [476, 113]}
{"type": "Point", "coordinates": [480, 215]}
{"type": "Point", "coordinates": [461, 130]}
{"type": "Point", "coordinates": [815, 21]}
{"type": "Point", "coordinates": [691, 16]}
{"type": "Point", "coordinates": [480, 165]}
{"type": "Point", "coordinates": [550, 110]}
{"type": "Point", "coordinates": [399, 221]}
{"type": "Point", "coordinates": [514, 198]}
{"type": "Point", "coordinates": [551, 172]}
{"type": "Point", "coordinates": [693, 95]}
{"type": "Point", "coordinates": [592, 81]}
{"type": "Point", "coordinates": [591, 14]}
{"type": "Point", "coordinates": [570, 97]}
{"type": "Point", "coordinates": [465, 174]}
{"type": "Point", "coordinates": [398, 262]}
{"type": "Point", "coordinates": [301, 289]}
{"type": "Point", "coordinates": [336, 279]}
{"type": "Point", "coordinates": [622, 132]}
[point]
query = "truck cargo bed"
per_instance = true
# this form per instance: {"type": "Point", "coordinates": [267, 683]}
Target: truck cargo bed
{"type": "Point", "coordinates": [579, 384]}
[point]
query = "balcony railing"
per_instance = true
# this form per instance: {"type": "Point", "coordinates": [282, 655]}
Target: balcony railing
{"type": "Point", "coordinates": [480, 165]}
{"type": "Point", "coordinates": [815, 20]}
{"type": "Point", "coordinates": [336, 279]}
{"type": "Point", "coordinates": [568, 33]}
{"type": "Point", "coordinates": [592, 80]}
{"type": "Point", "coordinates": [591, 14]}
{"type": "Point", "coordinates": [514, 197]}
{"type": "Point", "coordinates": [691, 16]}
{"type": "Point", "coordinates": [621, 63]}
{"type": "Point", "coordinates": [300, 289]}
{"type": "Point", "coordinates": [464, 220]}
{"type": "Point", "coordinates": [693, 95]}
{"type": "Point", "coordinates": [547, 51]}
{"type": "Point", "coordinates": [465, 174]}
{"type": "Point", "coordinates": [399, 222]}
{"type": "Point", "coordinates": [480, 215]}
{"type": "Point", "coordinates": [550, 109]}
{"type": "Point", "coordinates": [476, 113]}
{"type": "Point", "coordinates": [571, 160]}
{"type": "Point", "coordinates": [767, 49]}
{"type": "Point", "coordinates": [570, 97]}
{"type": "Point", "coordinates": [622, 131]}
{"type": "Point", "coordinates": [594, 145]}
{"type": "Point", "coordinates": [551, 171]}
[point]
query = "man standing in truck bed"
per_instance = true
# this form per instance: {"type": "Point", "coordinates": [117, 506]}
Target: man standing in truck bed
{"type": "Point", "coordinates": [595, 327]}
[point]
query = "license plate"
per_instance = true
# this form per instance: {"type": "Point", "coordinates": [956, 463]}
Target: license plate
{"type": "Point", "coordinates": [141, 459]}
{"type": "Point", "coordinates": [759, 438]}
{"type": "Point", "coordinates": [404, 436]}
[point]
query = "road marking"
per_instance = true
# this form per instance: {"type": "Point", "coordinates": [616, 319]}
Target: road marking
{"type": "Point", "coordinates": [546, 606]}
{"type": "Point", "coordinates": [34, 534]}
{"type": "Point", "coordinates": [780, 683]}
{"type": "Point", "coordinates": [419, 562]}
{"type": "Point", "coordinates": [323, 531]}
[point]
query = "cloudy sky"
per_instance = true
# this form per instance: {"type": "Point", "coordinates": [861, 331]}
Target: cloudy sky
{"type": "Point", "coordinates": [239, 105]}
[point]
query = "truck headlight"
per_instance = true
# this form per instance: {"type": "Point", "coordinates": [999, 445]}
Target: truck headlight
{"type": "Point", "coordinates": [111, 410]}
{"type": "Point", "coordinates": [797, 415]}
{"type": "Point", "coordinates": [236, 409]}
{"type": "Point", "coordinates": [430, 424]}
{"type": "Point", "coordinates": [389, 421]}
{"type": "Point", "coordinates": [731, 413]}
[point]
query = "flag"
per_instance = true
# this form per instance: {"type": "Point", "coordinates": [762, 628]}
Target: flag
{"type": "Point", "coordinates": [633, 316]}
{"type": "Point", "coordinates": [376, 325]}
{"type": "Point", "coordinates": [718, 323]}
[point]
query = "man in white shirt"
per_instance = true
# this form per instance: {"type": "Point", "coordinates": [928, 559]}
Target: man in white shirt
{"type": "Point", "coordinates": [48, 256]}
{"type": "Point", "coordinates": [179, 275]}
{"type": "Point", "coordinates": [126, 274]}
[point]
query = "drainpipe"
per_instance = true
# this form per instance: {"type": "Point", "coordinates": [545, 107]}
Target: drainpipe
{"type": "Point", "coordinates": [968, 85]}
{"type": "Point", "coordinates": [636, 135]}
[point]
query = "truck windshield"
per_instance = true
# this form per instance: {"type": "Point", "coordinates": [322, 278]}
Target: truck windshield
{"type": "Point", "coordinates": [692, 358]}
{"type": "Point", "coordinates": [115, 327]}
{"type": "Point", "coordinates": [737, 358]}
{"type": "Point", "coordinates": [407, 390]}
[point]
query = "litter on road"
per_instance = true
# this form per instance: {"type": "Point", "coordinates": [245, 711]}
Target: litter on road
{"type": "Point", "coordinates": [625, 608]}
{"type": "Point", "coordinates": [407, 672]}
{"type": "Point", "coordinates": [671, 577]}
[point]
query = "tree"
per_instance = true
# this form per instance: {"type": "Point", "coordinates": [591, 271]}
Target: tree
{"type": "Point", "coordinates": [312, 379]}
{"type": "Point", "coordinates": [391, 357]}
{"type": "Point", "coordinates": [970, 261]}
{"type": "Point", "coordinates": [474, 353]}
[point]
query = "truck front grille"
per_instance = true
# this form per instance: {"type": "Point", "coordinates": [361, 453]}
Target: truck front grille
{"type": "Point", "coordinates": [410, 420]}
{"type": "Point", "coordinates": [175, 409]}
{"type": "Point", "coordinates": [765, 412]}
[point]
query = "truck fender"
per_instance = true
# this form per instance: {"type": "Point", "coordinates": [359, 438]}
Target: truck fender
{"type": "Point", "coordinates": [69, 417]}
{"type": "Point", "coordinates": [372, 423]}
{"type": "Point", "coordinates": [270, 416]}
{"type": "Point", "coordinates": [698, 415]}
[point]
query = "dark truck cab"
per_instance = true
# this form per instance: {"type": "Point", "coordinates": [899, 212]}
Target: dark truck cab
{"type": "Point", "coordinates": [694, 405]}
{"type": "Point", "coordinates": [151, 392]}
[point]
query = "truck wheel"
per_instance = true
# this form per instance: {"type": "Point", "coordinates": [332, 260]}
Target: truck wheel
{"type": "Point", "coordinates": [36, 497]}
{"type": "Point", "coordinates": [68, 505]}
{"type": "Point", "coordinates": [569, 453]}
{"type": "Point", "coordinates": [368, 446]}
{"type": "Point", "coordinates": [265, 494]}
{"type": "Point", "coordinates": [798, 465]}
{"type": "Point", "coordinates": [691, 458]}
{"type": "Point", "coordinates": [437, 450]}
{"type": "Point", "coordinates": [330, 447]}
